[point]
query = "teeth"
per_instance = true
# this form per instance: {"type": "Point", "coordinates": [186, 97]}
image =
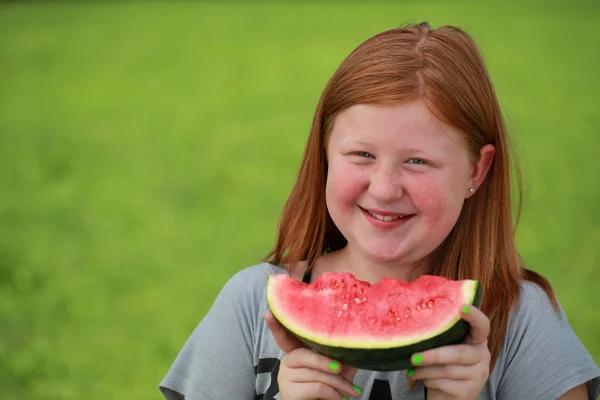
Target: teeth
{"type": "Point", "coordinates": [385, 218]}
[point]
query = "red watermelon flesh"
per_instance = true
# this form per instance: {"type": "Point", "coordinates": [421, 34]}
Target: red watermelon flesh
{"type": "Point", "coordinates": [339, 310]}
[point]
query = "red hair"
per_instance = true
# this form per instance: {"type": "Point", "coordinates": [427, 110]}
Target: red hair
{"type": "Point", "coordinates": [444, 68]}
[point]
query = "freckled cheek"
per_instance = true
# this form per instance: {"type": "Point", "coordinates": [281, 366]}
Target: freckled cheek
{"type": "Point", "coordinates": [437, 203]}
{"type": "Point", "coordinates": [345, 185]}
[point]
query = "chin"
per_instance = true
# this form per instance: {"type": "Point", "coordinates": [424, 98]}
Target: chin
{"type": "Point", "coordinates": [383, 254]}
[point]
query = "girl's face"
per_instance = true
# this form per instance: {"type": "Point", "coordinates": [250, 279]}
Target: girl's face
{"type": "Point", "coordinates": [397, 180]}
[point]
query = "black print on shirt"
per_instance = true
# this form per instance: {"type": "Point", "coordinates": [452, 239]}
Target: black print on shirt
{"type": "Point", "coordinates": [381, 390]}
{"type": "Point", "coordinates": [270, 367]}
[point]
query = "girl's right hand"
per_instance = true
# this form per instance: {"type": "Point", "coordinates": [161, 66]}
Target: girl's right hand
{"type": "Point", "coordinates": [306, 375]}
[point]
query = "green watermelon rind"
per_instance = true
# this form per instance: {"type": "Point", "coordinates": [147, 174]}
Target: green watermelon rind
{"type": "Point", "coordinates": [384, 355]}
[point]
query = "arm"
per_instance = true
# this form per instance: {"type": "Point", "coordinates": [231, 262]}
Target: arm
{"type": "Point", "coordinates": [577, 393]}
{"type": "Point", "coordinates": [216, 362]}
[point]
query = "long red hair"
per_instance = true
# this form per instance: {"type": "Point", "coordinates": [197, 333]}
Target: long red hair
{"type": "Point", "coordinates": [444, 68]}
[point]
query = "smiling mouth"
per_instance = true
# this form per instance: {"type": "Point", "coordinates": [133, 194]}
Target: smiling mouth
{"type": "Point", "coordinates": [386, 218]}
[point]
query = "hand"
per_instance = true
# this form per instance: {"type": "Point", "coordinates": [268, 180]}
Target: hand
{"type": "Point", "coordinates": [457, 372]}
{"type": "Point", "coordinates": [306, 375]}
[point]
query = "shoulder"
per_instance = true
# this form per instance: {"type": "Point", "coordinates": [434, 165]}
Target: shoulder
{"type": "Point", "coordinates": [254, 276]}
{"type": "Point", "coordinates": [534, 312]}
{"type": "Point", "coordinates": [225, 345]}
{"type": "Point", "coordinates": [534, 301]}
{"type": "Point", "coordinates": [539, 334]}
{"type": "Point", "coordinates": [249, 283]}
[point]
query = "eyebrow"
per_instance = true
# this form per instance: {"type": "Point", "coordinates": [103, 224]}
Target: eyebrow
{"type": "Point", "coordinates": [353, 141]}
{"type": "Point", "coordinates": [356, 142]}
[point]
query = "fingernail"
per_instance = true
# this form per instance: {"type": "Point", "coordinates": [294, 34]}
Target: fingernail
{"type": "Point", "coordinates": [357, 389]}
{"type": "Point", "coordinates": [417, 359]}
{"type": "Point", "coordinates": [344, 398]}
{"type": "Point", "coordinates": [410, 372]}
{"type": "Point", "coordinates": [334, 365]}
{"type": "Point", "coordinates": [466, 309]}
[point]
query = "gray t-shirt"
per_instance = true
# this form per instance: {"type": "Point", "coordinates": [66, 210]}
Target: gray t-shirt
{"type": "Point", "coordinates": [231, 355]}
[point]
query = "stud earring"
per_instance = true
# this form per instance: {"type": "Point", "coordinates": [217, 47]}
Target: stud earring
{"type": "Point", "coordinates": [471, 190]}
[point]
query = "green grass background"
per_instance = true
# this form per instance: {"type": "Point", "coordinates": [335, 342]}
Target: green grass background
{"type": "Point", "coordinates": [146, 149]}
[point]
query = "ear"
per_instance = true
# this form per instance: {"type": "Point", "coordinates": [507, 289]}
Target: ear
{"type": "Point", "coordinates": [480, 169]}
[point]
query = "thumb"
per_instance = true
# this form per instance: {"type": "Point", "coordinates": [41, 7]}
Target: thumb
{"type": "Point", "coordinates": [434, 394]}
{"type": "Point", "coordinates": [349, 372]}
{"type": "Point", "coordinates": [285, 340]}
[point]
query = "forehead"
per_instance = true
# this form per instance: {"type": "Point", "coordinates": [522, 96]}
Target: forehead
{"type": "Point", "coordinates": [407, 124]}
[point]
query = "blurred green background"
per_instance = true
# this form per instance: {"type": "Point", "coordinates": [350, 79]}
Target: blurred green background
{"type": "Point", "coordinates": [146, 149]}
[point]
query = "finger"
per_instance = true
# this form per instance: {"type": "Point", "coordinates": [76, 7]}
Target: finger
{"type": "Point", "coordinates": [443, 372]}
{"type": "Point", "coordinates": [463, 354]}
{"type": "Point", "coordinates": [316, 390]}
{"type": "Point", "coordinates": [337, 382]}
{"type": "Point", "coordinates": [306, 358]}
{"type": "Point", "coordinates": [480, 324]}
{"type": "Point", "coordinates": [285, 340]}
{"type": "Point", "coordinates": [447, 386]}
{"type": "Point", "coordinates": [348, 372]}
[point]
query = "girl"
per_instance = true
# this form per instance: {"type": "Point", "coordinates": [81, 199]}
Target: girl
{"type": "Point", "coordinates": [406, 172]}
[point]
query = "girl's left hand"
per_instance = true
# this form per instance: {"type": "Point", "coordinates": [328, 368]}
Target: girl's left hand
{"type": "Point", "coordinates": [457, 372]}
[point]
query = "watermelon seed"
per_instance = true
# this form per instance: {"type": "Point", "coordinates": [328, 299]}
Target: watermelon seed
{"type": "Point", "coordinates": [418, 307]}
{"type": "Point", "coordinates": [345, 307]}
{"type": "Point", "coordinates": [405, 315]}
{"type": "Point", "coordinates": [339, 314]}
{"type": "Point", "coordinates": [430, 304]}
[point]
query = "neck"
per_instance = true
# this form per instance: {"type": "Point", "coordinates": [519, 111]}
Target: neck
{"type": "Point", "coordinates": [352, 261]}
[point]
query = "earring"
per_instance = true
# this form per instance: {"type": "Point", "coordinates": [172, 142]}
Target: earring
{"type": "Point", "coordinates": [471, 190]}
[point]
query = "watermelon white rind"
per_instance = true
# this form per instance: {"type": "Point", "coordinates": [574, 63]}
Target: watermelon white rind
{"type": "Point", "coordinates": [309, 313]}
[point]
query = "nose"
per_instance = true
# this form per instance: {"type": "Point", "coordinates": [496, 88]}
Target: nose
{"type": "Point", "coordinates": [386, 184]}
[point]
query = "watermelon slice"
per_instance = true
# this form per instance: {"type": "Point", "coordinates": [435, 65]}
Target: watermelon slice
{"type": "Point", "coordinates": [375, 327]}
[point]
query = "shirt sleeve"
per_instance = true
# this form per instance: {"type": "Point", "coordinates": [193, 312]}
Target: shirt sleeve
{"type": "Point", "coordinates": [544, 357]}
{"type": "Point", "coordinates": [216, 362]}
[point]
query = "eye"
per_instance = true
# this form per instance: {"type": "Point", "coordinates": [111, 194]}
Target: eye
{"type": "Point", "coordinates": [417, 161]}
{"type": "Point", "coordinates": [364, 154]}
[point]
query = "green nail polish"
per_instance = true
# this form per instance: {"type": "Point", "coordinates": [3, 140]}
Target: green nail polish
{"type": "Point", "coordinates": [466, 310]}
{"type": "Point", "coordinates": [344, 398]}
{"type": "Point", "coordinates": [418, 359]}
{"type": "Point", "coordinates": [410, 372]}
{"type": "Point", "coordinates": [357, 389]}
{"type": "Point", "coordinates": [334, 365]}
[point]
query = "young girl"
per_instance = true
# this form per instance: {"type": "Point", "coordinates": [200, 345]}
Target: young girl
{"type": "Point", "coordinates": [406, 172]}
